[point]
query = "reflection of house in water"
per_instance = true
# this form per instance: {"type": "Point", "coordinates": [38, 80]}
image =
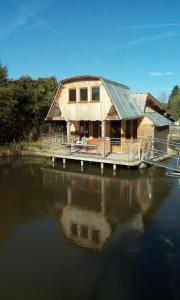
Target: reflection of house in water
{"type": "Point", "coordinates": [88, 229]}
{"type": "Point", "coordinates": [90, 208]}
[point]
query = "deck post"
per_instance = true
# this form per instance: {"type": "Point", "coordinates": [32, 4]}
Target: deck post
{"type": "Point", "coordinates": [82, 163]}
{"type": "Point", "coordinates": [64, 163]}
{"type": "Point", "coordinates": [114, 167]}
{"type": "Point", "coordinates": [53, 162]}
{"type": "Point", "coordinates": [114, 170]}
{"type": "Point", "coordinates": [68, 131]}
{"type": "Point", "coordinates": [103, 129]}
{"type": "Point", "coordinates": [102, 166]}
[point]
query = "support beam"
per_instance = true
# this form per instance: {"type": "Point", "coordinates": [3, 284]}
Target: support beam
{"type": "Point", "coordinates": [68, 131]}
{"type": "Point", "coordinates": [131, 129]}
{"type": "Point", "coordinates": [114, 167]}
{"type": "Point", "coordinates": [82, 165]}
{"type": "Point", "coordinates": [53, 162]}
{"type": "Point", "coordinates": [114, 170]}
{"type": "Point", "coordinates": [64, 163]}
{"type": "Point", "coordinates": [103, 129]}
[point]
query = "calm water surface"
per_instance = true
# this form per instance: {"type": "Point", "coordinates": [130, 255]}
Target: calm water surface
{"type": "Point", "coordinates": [67, 234]}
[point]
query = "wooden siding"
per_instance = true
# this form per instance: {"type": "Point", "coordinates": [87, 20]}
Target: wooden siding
{"type": "Point", "coordinates": [85, 111]}
{"type": "Point", "coordinates": [162, 134]}
{"type": "Point", "coordinates": [145, 128]}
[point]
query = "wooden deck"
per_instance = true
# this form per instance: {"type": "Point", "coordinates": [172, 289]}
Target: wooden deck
{"type": "Point", "coordinates": [113, 159]}
{"type": "Point", "coordinates": [132, 156]}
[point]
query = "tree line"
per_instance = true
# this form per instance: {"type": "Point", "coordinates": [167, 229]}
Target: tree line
{"type": "Point", "coordinates": [174, 102]}
{"type": "Point", "coordinates": [24, 104]}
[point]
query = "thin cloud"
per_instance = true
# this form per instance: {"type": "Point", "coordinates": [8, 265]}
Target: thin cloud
{"type": "Point", "coordinates": [25, 14]}
{"type": "Point", "coordinates": [38, 23]}
{"type": "Point", "coordinates": [136, 42]}
{"type": "Point", "coordinates": [143, 40]}
{"type": "Point", "coordinates": [150, 38]}
{"type": "Point", "coordinates": [159, 74]}
{"type": "Point", "coordinates": [151, 26]}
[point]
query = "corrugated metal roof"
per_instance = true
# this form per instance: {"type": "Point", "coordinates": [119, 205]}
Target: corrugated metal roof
{"type": "Point", "coordinates": [121, 97]}
{"type": "Point", "coordinates": [140, 99]}
{"type": "Point", "coordinates": [157, 119]}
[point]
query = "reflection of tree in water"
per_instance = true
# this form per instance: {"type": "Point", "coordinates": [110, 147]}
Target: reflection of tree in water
{"type": "Point", "coordinates": [21, 200]}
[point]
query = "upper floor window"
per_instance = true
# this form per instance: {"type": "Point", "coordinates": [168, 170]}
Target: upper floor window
{"type": "Point", "coordinates": [83, 94]}
{"type": "Point", "coordinates": [95, 93]}
{"type": "Point", "coordinates": [72, 95]}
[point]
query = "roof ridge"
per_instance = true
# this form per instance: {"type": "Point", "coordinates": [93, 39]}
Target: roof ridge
{"type": "Point", "coordinates": [114, 82]}
{"type": "Point", "coordinates": [140, 93]}
{"type": "Point", "coordinates": [95, 77]}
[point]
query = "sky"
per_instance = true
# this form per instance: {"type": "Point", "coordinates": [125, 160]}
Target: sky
{"type": "Point", "coordinates": [134, 42]}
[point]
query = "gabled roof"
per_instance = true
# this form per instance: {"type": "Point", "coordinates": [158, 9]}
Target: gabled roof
{"type": "Point", "coordinates": [142, 98]}
{"type": "Point", "coordinates": [119, 94]}
{"type": "Point", "coordinates": [158, 119]}
{"type": "Point", "coordinates": [122, 100]}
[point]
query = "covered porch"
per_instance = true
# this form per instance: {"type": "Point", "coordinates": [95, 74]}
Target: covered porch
{"type": "Point", "coordinates": [115, 135]}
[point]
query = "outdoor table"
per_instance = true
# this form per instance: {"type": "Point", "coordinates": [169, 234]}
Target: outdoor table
{"type": "Point", "coordinates": [78, 147]}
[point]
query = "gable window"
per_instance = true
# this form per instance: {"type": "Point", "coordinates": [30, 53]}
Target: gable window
{"type": "Point", "coordinates": [83, 94]}
{"type": "Point", "coordinates": [95, 93]}
{"type": "Point", "coordinates": [72, 95]}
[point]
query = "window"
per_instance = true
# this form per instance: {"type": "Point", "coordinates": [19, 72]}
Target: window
{"type": "Point", "coordinates": [95, 235]}
{"type": "Point", "coordinates": [128, 129]}
{"type": "Point", "coordinates": [134, 130]}
{"type": "Point", "coordinates": [74, 229]}
{"type": "Point", "coordinates": [131, 129]}
{"type": "Point", "coordinates": [84, 231]}
{"type": "Point", "coordinates": [95, 93]}
{"type": "Point", "coordinates": [84, 128]}
{"type": "Point", "coordinates": [83, 94]}
{"type": "Point", "coordinates": [72, 95]}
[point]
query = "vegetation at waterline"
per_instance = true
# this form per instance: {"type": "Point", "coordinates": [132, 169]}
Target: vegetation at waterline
{"type": "Point", "coordinates": [16, 148]}
{"type": "Point", "coordinates": [23, 105]}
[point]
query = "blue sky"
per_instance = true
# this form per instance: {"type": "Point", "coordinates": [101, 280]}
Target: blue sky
{"type": "Point", "coordinates": [135, 42]}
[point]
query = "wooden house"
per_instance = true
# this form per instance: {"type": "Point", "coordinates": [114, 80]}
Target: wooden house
{"type": "Point", "coordinates": [98, 108]}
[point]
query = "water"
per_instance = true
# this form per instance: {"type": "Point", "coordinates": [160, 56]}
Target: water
{"type": "Point", "coordinates": [67, 234]}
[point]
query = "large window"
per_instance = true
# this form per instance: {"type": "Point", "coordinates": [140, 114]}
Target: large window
{"type": "Point", "coordinates": [95, 93]}
{"type": "Point", "coordinates": [83, 94]}
{"type": "Point", "coordinates": [72, 95]}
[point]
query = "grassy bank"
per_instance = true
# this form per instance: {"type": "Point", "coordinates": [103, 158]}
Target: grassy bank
{"type": "Point", "coordinates": [15, 149]}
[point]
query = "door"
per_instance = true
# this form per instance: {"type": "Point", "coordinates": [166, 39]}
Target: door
{"type": "Point", "coordinates": [115, 130]}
